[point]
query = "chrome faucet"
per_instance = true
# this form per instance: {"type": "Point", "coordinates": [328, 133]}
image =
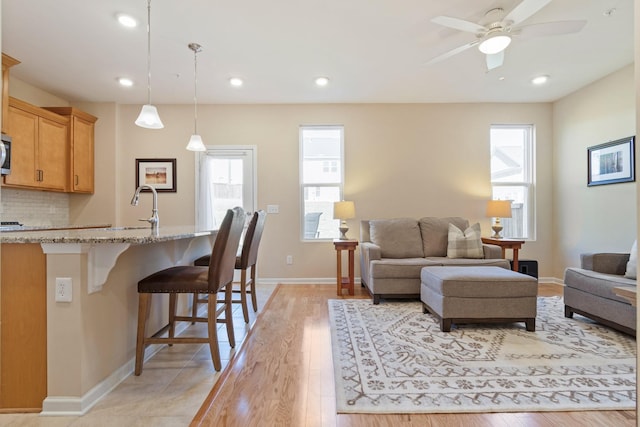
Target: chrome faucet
{"type": "Point", "coordinates": [154, 220]}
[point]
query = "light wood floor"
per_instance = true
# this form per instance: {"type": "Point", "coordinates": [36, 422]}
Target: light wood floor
{"type": "Point", "coordinates": [283, 376]}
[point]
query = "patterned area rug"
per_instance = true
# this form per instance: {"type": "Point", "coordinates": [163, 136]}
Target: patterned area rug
{"type": "Point", "coordinates": [391, 358]}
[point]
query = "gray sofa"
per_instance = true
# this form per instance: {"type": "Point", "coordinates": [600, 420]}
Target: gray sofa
{"type": "Point", "coordinates": [589, 291]}
{"type": "Point", "coordinates": [393, 252]}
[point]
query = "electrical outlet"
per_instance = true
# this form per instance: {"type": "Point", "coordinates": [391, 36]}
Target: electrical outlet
{"type": "Point", "coordinates": [289, 259]}
{"type": "Point", "coordinates": [64, 286]}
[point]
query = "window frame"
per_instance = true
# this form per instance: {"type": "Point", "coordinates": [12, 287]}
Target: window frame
{"type": "Point", "coordinates": [303, 185]}
{"type": "Point", "coordinates": [528, 183]}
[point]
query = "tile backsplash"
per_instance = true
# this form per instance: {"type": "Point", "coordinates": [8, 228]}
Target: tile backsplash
{"type": "Point", "coordinates": [41, 208]}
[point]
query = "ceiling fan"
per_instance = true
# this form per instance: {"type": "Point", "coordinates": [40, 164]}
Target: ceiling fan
{"type": "Point", "coordinates": [495, 35]}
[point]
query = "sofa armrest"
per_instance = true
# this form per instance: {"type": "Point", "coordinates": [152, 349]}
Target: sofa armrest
{"type": "Point", "coordinates": [368, 252]}
{"type": "Point", "coordinates": [608, 263]}
{"type": "Point", "coordinates": [492, 251]}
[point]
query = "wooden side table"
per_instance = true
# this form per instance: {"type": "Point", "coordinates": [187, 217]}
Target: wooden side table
{"type": "Point", "coordinates": [345, 282]}
{"type": "Point", "coordinates": [627, 292]}
{"type": "Point", "coordinates": [505, 244]}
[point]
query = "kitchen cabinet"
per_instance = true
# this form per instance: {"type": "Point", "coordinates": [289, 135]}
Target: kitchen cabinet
{"type": "Point", "coordinates": [81, 148]}
{"type": "Point", "coordinates": [39, 147]}
{"type": "Point", "coordinates": [7, 62]}
{"type": "Point", "coordinates": [23, 332]}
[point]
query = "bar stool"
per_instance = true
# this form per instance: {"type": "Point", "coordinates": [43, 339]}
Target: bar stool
{"type": "Point", "coordinates": [245, 261]}
{"type": "Point", "coordinates": [194, 279]}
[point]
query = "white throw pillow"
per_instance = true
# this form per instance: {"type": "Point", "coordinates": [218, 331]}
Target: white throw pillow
{"type": "Point", "coordinates": [465, 244]}
{"type": "Point", "coordinates": [632, 265]}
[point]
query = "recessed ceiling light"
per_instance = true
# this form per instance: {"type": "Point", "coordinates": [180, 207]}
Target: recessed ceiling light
{"type": "Point", "coordinates": [127, 20]}
{"type": "Point", "coordinates": [539, 80]}
{"type": "Point", "coordinates": [125, 82]}
{"type": "Point", "coordinates": [322, 81]}
{"type": "Point", "coordinates": [609, 12]}
{"type": "Point", "coordinates": [501, 78]}
{"type": "Point", "coordinates": [235, 81]}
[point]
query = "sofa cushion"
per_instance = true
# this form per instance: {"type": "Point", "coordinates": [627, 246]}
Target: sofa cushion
{"type": "Point", "coordinates": [632, 264]}
{"type": "Point", "coordinates": [465, 244]}
{"type": "Point", "coordinates": [397, 238]}
{"type": "Point", "coordinates": [435, 234]}
{"type": "Point", "coordinates": [595, 283]}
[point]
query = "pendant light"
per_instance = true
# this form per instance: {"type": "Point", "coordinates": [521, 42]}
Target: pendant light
{"type": "Point", "coordinates": [149, 117]}
{"type": "Point", "coordinates": [195, 143]}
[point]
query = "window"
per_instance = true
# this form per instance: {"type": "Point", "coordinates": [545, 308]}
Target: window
{"type": "Point", "coordinates": [512, 176]}
{"type": "Point", "coordinates": [321, 180]}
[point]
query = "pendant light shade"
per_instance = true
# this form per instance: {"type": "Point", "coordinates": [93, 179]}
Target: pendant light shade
{"type": "Point", "coordinates": [195, 143]}
{"type": "Point", "coordinates": [149, 117]}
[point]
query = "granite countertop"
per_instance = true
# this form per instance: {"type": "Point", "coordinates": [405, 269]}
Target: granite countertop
{"type": "Point", "coordinates": [96, 234]}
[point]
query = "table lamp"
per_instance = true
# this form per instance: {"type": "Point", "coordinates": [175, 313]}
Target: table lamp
{"type": "Point", "coordinates": [498, 209]}
{"type": "Point", "coordinates": [343, 211]}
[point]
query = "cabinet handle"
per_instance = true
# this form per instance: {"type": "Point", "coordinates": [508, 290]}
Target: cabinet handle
{"type": "Point", "coordinates": [76, 179]}
{"type": "Point", "coordinates": [41, 175]}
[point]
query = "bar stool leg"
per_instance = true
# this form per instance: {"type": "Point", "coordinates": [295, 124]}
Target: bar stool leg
{"type": "Point", "coordinates": [254, 300]}
{"type": "Point", "coordinates": [243, 295]}
{"type": "Point", "coordinates": [144, 307]}
{"type": "Point", "coordinates": [213, 334]}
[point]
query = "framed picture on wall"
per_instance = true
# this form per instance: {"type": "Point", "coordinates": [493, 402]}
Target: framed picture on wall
{"type": "Point", "coordinates": [611, 162]}
{"type": "Point", "coordinates": [159, 173]}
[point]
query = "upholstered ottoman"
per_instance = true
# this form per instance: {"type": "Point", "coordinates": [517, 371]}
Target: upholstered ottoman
{"type": "Point", "coordinates": [478, 295]}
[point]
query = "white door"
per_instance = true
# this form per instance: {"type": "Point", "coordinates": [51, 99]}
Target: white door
{"type": "Point", "coordinates": [226, 179]}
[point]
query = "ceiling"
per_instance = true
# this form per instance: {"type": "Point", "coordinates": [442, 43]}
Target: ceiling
{"type": "Point", "coordinates": [373, 51]}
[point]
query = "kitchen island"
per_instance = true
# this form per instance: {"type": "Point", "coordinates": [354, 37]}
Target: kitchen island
{"type": "Point", "coordinates": [72, 353]}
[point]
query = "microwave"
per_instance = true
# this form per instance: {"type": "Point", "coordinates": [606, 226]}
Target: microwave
{"type": "Point", "coordinates": [5, 155]}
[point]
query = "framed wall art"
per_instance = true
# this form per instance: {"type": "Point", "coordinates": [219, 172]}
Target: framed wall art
{"type": "Point", "coordinates": [611, 162]}
{"type": "Point", "coordinates": [159, 173]}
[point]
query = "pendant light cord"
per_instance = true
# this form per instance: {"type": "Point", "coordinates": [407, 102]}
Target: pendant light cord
{"type": "Point", "coordinates": [195, 47]}
{"type": "Point", "coordinates": [148, 51]}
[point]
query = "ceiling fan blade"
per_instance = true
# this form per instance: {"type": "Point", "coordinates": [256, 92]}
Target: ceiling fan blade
{"type": "Point", "coordinates": [458, 24]}
{"type": "Point", "coordinates": [495, 60]}
{"type": "Point", "coordinates": [452, 52]}
{"type": "Point", "coordinates": [550, 28]}
{"type": "Point", "coordinates": [524, 10]}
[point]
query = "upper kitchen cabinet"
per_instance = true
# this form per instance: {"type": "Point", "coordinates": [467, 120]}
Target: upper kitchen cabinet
{"type": "Point", "coordinates": [39, 147]}
{"type": "Point", "coordinates": [81, 146]}
{"type": "Point", "coordinates": [7, 62]}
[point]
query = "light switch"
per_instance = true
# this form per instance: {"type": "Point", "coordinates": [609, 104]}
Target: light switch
{"type": "Point", "coordinates": [273, 209]}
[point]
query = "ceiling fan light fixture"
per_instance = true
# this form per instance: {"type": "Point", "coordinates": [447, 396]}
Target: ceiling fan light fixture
{"type": "Point", "coordinates": [494, 44]}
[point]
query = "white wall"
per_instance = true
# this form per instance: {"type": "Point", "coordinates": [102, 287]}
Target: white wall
{"type": "Point", "coordinates": [401, 160]}
{"type": "Point", "coordinates": [408, 160]}
{"type": "Point", "coordinates": [600, 218]}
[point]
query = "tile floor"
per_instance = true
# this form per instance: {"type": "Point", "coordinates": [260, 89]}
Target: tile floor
{"type": "Point", "coordinates": [171, 389]}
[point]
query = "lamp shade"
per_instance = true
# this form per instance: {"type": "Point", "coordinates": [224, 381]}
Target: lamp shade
{"type": "Point", "coordinates": [344, 210]}
{"type": "Point", "coordinates": [499, 208]}
{"type": "Point", "coordinates": [196, 144]}
{"type": "Point", "coordinates": [149, 118]}
{"type": "Point", "coordinates": [494, 44]}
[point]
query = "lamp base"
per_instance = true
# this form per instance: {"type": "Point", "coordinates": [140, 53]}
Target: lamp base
{"type": "Point", "coordinates": [343, 232]}
{"type": "Point", "coordinates": [496, 231]}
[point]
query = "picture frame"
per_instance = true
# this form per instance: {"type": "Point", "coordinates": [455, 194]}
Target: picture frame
{"type": "Point", "coordinates": [159, 173]}
{"type": "Point", "coordinates": [612, 162]}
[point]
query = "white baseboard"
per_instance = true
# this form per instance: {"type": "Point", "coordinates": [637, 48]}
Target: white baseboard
{"type": "Point", "coordinates": [77, 406]}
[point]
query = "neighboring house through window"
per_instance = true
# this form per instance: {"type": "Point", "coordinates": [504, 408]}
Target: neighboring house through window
{"type": "Point", "coordinates": [321, 180]}
{"type": "Point", "coordinates": [512, 176]}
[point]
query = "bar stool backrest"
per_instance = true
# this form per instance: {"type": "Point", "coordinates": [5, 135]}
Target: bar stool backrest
{"type": "Point", "coordinates": [249, 254]}
{"type": "Point", "coordinates": [225, 247]}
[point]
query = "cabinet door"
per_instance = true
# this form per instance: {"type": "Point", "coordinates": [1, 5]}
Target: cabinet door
{"type": "Point", "coordinates": [23, 128]}
{"type": "Point", "coordinates": [82, 155]}
{"type": "Point", "coordinates": [52, 154]}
